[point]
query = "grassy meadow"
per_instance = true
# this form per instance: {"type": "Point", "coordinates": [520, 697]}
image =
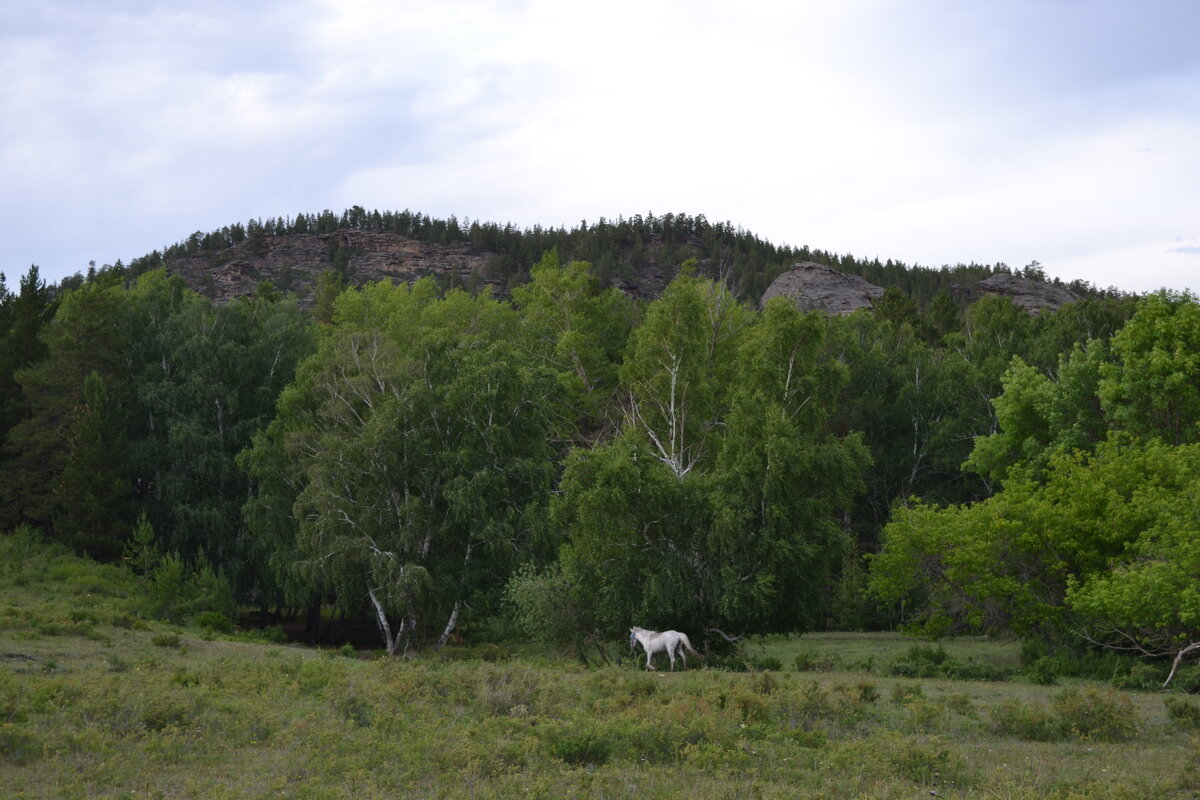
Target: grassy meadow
{"type": "Point", "coordinates": [97, 702]}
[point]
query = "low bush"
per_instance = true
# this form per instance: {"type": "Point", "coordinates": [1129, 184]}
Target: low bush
{"type": "Point", "coordinates": [1142, 675]}
{"type": "Point", "coordinates": [1032, 723]}
{"type": "Point", "coordinates": [1044, 671]}
{"type": "Point", "coordinates": [1093, 714]}
{"type": "Point", "coordinates": [581, 742]}
{"type": "Point", "coordinates": [1073, 714]}
{"type": "Point", "coordinates": [213, 621]}
{"type": "Point", "coordinates": [924, 661]}
{"type": "Point", "coordinates": [809, 661]}
{"type": "Point", "coordinates": [17, 745]}
{"type": "Point", "coordinates": [744, 663]}
{"type": "Point", "coordinates": [1182, 712]}
{"type": "Point", "coordinates": [925, 761]}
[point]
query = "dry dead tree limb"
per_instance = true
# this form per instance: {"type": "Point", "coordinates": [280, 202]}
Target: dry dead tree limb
{"type": "Point", "coordinates": [1179, 657]}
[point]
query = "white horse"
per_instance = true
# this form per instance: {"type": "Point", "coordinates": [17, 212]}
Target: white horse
{"type": "Point", "coordinates": [657, 641]}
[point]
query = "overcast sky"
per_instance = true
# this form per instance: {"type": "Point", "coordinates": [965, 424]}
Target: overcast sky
{"type": "Point", "coordinates": [930, 132]}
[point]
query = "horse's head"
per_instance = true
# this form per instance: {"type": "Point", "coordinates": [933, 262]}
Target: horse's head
{"type": "Point", "coordinates": [632, 638]}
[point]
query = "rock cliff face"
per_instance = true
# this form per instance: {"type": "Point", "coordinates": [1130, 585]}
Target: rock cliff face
{"type": "Point", "coordinates": [821, 288]}
{"type": "Point", "coordinates": [293, 262]}
{"type": "Point", "coordinates": [1031, 295]}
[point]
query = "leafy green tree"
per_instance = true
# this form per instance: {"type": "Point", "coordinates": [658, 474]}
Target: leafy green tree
{"type": "Point", "coordinates": [1146, 600]}
{"type": "Point", "coordinates": [896, 307]}
{"type": "Point", "coordinates": [916, 410]}
{"type": "Point", "coordinates": [940, 317]}
{"type": "Point", "coordinates": [330, 284]}
{"type": "Point", "coordinates": [1152, 387]}
{"type": "Point", "coordinates": [580, 332]}
{"type": "Point", "coordinates": [1028, 558]}
{"type": "Point", "coordinates": [742, 531]}
{"type": "Point", "coordinates": [1040, 415]}
{"type": "Point", "coordinates": [635, 535]}
{"type": "Point", "coordinates": [679, 367]}
{"type": "Point", "coordinates": [783, 480]}
{"type": "Point", "coordinates": [207, 380]}
{"type": "Point", "coordinates": [419, 442]}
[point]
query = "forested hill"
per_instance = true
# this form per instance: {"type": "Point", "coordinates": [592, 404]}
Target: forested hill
{"type": "Point", "coordinates": [433, 460]}
{"type": "Point", "coordinates": [638, 254]}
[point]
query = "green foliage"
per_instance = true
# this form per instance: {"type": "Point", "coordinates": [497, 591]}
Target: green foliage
{"type": "Point", "coordinates": [693, 512]}
{"type": "Point", "coordinates": [178, 591]}
{"type": "Point", "coordinates": [67, 463]}
{"type": "Point", "coordinates": [1183, 712]}
{"type": "Point", "coordinates": [1094, 714]}
{"type": "Point", "coordinates": [579, 332]}
{"type": "Point", "coordinates": [1040, 417]}
{"type": "Point", "coordinates": [1153, 387]}
{"type": "Point", "coordinates": [415, 446]}
{"type": "Point", "coordinates": [207, 379]}
{"type": "Point", "coordinates": [1104, 540]}
{"type": "Point", "coordinates": [166, 713]}
{"type": "Point", "coordinates": [546, 606]}
{"type": "Point", "coordinates": [924, 661]}
{"type": "Point", "coordinates": [1073, 714]}
{"type": "Point", "coordinates": [730, 466]}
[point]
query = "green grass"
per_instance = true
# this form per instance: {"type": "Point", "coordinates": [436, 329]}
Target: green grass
{"type": "Point", "coordinates": [96, 702]}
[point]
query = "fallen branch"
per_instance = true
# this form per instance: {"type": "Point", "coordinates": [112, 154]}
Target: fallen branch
{"type": "Point", "coordinates": [1179, 657]}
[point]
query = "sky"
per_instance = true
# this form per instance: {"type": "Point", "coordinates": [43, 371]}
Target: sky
{"type": "Point", "coordinates": [927, 131]}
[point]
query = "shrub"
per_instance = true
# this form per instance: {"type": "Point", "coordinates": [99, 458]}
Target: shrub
{"type": "Point", "coordinates": [808, 661]}
{"type": "Point", "coordinates": [177, 591]}
{"type": "Point", "coordinates": [545, 605]}
{"type": "Point", "coordinates": [903, 693]}
{"type": "Point", "coordinates": [960, 703]}
{"type": "Point", "coordinates": [1187, 679]}
{"type": "Point", "coordinates": [802, 707]}
{"type": "Point", "coordinates": [1141, 675]}
{"type": "Point", "coordinates": [214, 621]}
{"type": "Point", "coordinates": [583, 742]}
{"type": "Point", "coordinates": [1183, 713]}
{"type": "Point", "coordinates": [744, 663]}
{"type": "Point", "coordinates": [1043, 671]}
{"type": "Point", "coordinates": [1091, 714]}
{"type": "Point", "coordinates": [166, 640]}
{"type": "Point", "coordinates": [1087, 714]}
{"type": "Point", "coordinates": [1033, 723]}
{"type": "Point", "coordinates": [18, 746]}
{"type": "Point", "coordinates": [924, 661]}
{"type": "Point", "coordinates": [927, 763]}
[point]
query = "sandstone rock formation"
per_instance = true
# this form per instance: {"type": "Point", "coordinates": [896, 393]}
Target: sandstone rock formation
{"type": "Point", "coordinates": [293, 262]}
{"type": "Point", "coordinates": [818, 287]}
{"type": "Point", "coordinates": [1031, 295]}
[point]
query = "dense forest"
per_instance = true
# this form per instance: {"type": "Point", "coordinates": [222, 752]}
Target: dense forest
{"type": "Point", "coordinates": [440, 463]}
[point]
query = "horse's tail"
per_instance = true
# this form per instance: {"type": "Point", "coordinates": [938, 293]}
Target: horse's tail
{"type": "Point", "coordinates": [683, 638]}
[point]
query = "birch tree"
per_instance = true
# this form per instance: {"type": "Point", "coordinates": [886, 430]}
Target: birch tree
{"type": "Point", "coordinates": [679, 366]}
{"type": "Point", "coordinates": [421, 455]}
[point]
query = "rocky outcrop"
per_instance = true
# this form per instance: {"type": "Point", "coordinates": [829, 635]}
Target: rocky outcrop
{"type": "Point", "coordinates": [816, 287]}
{"type": "Point", "coordinates": [293, 262]}
{"type": "Point", "coordinates": [1031, 295]}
